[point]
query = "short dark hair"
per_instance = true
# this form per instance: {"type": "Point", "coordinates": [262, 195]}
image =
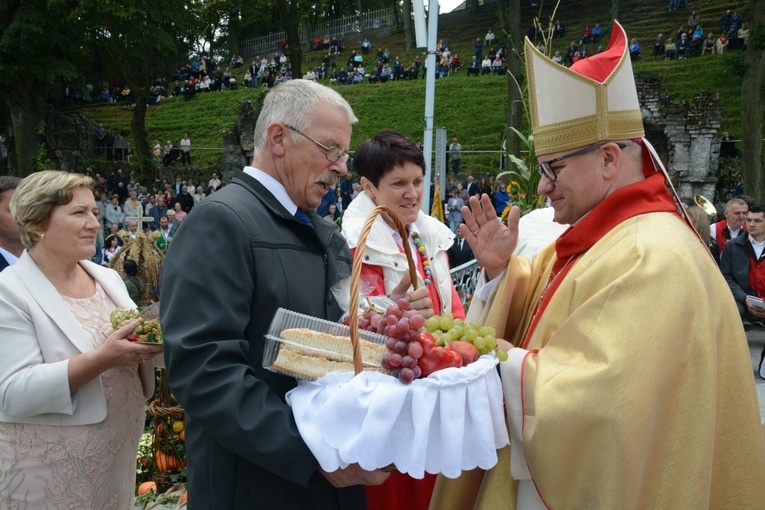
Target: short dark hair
{"type": "Point", "coordinates": [9, 182]}
{"type": "Point", "coordinates": [130, 267]}
{"type": "Point", "coordinates": [757, 208]}
{"type": "Point", "coordinates": [388, 149]}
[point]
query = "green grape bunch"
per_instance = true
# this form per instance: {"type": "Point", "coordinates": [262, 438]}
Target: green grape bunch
{"type": "Point", "coordinates": [146, 330]}
{"type": "Point", "coordinates": [447, 329]}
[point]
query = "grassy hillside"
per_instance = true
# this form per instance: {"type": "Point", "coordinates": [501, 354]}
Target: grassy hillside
{"type": "Point", "coordinates": [474, 108]}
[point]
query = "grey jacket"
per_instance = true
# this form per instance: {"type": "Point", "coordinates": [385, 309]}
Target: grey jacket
{"type": "Point", "coordinates": [248, 256]}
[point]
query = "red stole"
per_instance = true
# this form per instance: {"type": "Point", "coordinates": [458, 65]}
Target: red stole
{"type": "Point", "coordinates": [648, 195]}
{"type": "Point", "coordinates": [756, 271]}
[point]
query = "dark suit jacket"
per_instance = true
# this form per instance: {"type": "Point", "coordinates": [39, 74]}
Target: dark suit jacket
{"type": "Point", "coordinates": [3, 263]}
{"type": "Point", "coordinates": [734, 264]}
{"type": "Point", "coordinates": [458, 256]}
{"type": "Point", "coordinates": [472, 188]}
{"type": "Point", "coordinates": [247, 256]}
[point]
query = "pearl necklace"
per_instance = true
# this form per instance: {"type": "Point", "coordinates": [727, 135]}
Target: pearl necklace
{"type": "Point", "coordinates": [423, 257]}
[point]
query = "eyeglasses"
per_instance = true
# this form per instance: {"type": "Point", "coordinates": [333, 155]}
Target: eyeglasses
{"type": "Point", "coordinates": [333, 153]}
{"type": "Point", "coordinates": [546, 170]}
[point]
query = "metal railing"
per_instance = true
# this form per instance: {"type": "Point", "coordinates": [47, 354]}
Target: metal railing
{"type": "Point", "coordinates": [465, 278]}
{"type": "Point", "coordinates": [340, 27]}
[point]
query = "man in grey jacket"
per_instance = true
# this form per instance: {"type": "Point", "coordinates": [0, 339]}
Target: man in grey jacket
{"type": "Point", "coordinates": [243, 252]}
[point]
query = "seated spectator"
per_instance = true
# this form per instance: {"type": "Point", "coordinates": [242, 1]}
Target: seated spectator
{"type": "Point", "coordinates": [342, 77]}
{"type": "Point", "coordinates": [666, 96]}
{"type": "Point", "coordinates": [489, 39]}
{"type": "Point", "coordinates": [743, 36]}
{"type": "Point", "coordinates": [694, 48]}
{"type": "Point", "coordinates": [358, 76]}
{"type": "Point", "coordinates": [741, 265]}
{"type": "Point", "coordinates": [682, 46]}
{"type": "Point", "coordinates": [398, 69]}
{"type": "Point", "coordinates": [310, 75]}
{"type": "Point", "coordinates": [670, 51]}
{"type": "Point", "coordinates": [698, 32]}
{"type": "Point", "coordinates": [474, 66]}
{"type": "Point", "coordinates": [557, 58]}
{"type": "Point", "coordinates": [247, 79]}
{"type": "Point", "coordinates": [496, 66]}
{"type": "Point", "coordinates": [385, 75]}
{"type": "Point", "coordinates": [486, 66]}
{"type": "Point", "coordinates": [366, 46]}
{"type": "Point", "coordinates": [659, 46]}
{"type": "Point", "coordinates": [634, 49]}
{"type": "Point", "coordinates": [455, 64]}
{"type": "Point", "coordinates": [709, 44]}
{"type": "Point", "coordinates": [559, 30]}
{"type": "Point", "coordinates": [572, 48]}
{"type": "Point", "coordinates": [316, 43]}
{"type": "Point", "coordinates": [597, 32]}
{"type": "Point", "coordinates": [722, 43]}
{"type": "Point", "coordinates": [172, 156]}
{"type": "Point", "coordinates": [732, 37]}
{"type": "Point", "coordinates": [576, 58]}
{"type": "Point", "coordinates": [586, 34]}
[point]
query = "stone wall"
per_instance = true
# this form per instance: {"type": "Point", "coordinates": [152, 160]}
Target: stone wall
{"type": "Point", "coordinates": [685, 135]}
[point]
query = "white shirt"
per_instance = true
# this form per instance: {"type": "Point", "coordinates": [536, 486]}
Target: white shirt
{"type": "Point", "coordinates": [275, 187]}
{"type": "Point", "coordinates": [758, 247]}
{"type": "Point", "coordinates": [733, 233]}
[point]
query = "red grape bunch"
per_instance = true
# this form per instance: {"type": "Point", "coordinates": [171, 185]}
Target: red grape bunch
{"type": "Point", "coordinates": [402, 327]}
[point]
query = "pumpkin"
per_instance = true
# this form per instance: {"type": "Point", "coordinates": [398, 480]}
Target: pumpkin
{"type": "Point", "coordinates": [182, 436]}
{"type": "Point", "coordinates": [146, 487]}
{"type": "Point", "coordinates": [166, 462]}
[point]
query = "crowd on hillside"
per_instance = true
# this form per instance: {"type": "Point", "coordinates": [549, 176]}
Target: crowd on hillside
{"type": "Point", "coordinates": [696, 38]}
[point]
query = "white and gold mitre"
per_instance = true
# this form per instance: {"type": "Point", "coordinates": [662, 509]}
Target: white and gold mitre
{"type": "Point", "coordinates": [592, 101]}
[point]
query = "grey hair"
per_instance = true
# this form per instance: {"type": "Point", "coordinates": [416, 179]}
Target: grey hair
{"type": "Point", "coordinates": [293, 103]}
{"type": "Point", "coordinates": [735, 201]}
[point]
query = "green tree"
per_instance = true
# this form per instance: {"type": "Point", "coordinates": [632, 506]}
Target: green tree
{"type": "Point", "coordinates": [137, 37]}
{"type": "Point", "coordinates": [753, 81]}
{"type": "Point", "coordinates": [37, 38]}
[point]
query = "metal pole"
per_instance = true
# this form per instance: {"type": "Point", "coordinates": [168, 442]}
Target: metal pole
{"type": "Point", "coordinates": [430, 96]}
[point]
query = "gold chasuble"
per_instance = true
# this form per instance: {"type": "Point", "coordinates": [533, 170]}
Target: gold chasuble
{"type": "Point", "coordinates": [632, 388]}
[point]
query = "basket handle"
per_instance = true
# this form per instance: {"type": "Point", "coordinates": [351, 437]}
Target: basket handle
{"type": "Point", "coordinates": [356, 274]}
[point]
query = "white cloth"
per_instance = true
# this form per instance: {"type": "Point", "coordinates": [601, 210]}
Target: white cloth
{"type": "Point", "coordinates": [451, 421]}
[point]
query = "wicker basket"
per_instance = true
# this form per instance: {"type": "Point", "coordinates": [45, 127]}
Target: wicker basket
{"type": "Point", "coordinates": [448, 422]}
{"type": "Point", "coordinates": [356, 273]}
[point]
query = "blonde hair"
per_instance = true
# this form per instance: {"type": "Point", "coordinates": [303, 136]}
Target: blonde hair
{"type": "Point", "coordinates": [700, 221]}
{"type": "Point", "coordinates": [293, 103]}
{"type": "Point", "coordinates": [38, 195]}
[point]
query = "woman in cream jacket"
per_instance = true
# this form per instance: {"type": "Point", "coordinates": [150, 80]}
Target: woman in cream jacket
{"type": "Point", "coordinates": [71, 397]}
